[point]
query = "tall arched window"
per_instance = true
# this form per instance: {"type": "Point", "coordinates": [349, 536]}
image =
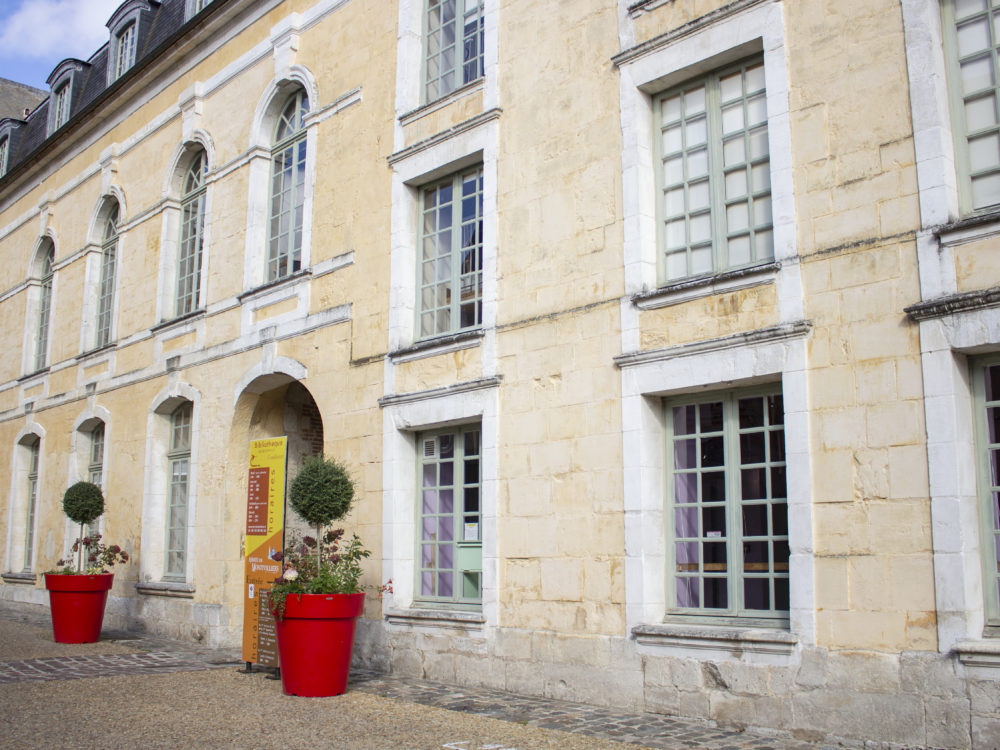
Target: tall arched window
{"type": "Point", "coordinates": [106, 296]}
{"type": "Point", "coordinates": [44, 305]}
{"type": "Point", "coordinates": [288, 178]}
{"type": "Point", "coordinates": [192, 236]}
{"type": "Point", "coordinates": [179, 464]}
{"type": "Point", "coordinates": [32, 497]}
{"type": "Point", "coordinates": [95, 461]}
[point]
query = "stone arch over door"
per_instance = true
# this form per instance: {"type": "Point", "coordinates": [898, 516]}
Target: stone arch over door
{"type": "Point", "coordinates": [274, 405]}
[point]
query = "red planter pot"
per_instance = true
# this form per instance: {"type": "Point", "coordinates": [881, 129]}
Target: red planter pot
{"type": "Point", "coordinates": [77, 605]}
{"type": "Point", "coordinates": [315, 638]}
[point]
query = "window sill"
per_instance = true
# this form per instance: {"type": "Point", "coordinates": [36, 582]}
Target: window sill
{"type": "Point", "coordinates": [734, 641]}
{"type": "Point", "coordinates": [452, 342]}
{"type": "Point", "coordinates": [165, 588]}
{"type": "Point", "coordinates": [971, 228]}
{"type": "Point", "coordinates": [32, 375]}
{"type": "Point", "coordinates": [24, 579]}
{"type": "Point", "coordinates": [441, 102]}
{"type": "Point", "coordinates": [436, 618]}
{"type": "Point", "coordinates": [985, 653]}
{"type": "Point", "coordinates": [166, 325]}
{"type": "Point", "coordinates": [95, 352]}
{"type": "Point", "coordinates": [290, 280]}
{"type": "Point", "coordinates": [704, 286]}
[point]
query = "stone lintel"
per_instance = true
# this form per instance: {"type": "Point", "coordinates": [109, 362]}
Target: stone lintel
{"type": "Point", "coordinates": [730, 639]}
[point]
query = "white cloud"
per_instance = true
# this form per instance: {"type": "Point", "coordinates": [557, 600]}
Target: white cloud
{"type": "Point", "coordinates": [56, 29]}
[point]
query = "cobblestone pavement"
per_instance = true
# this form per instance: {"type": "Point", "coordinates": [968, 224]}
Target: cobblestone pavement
{"type": "Point", "coordinates": [642, 729]}
{"type": "Point", "coordinates": [645, 729]}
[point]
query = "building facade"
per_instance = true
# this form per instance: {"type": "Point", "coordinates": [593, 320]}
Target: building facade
{"type": "Point", "coordinates": [661, 337]}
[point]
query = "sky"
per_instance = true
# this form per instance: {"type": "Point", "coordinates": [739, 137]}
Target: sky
{"type": "Point", "coordinates": [36, 35]}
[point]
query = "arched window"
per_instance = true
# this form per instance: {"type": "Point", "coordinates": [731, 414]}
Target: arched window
{"type": "Point", "coordinates": [288, 177]}
{"type": "Point", "coordinates": [95, 461]}
{"type": "Point", "coordinates": [44, 305]}
{"type": "Point", "coordinates": [179, 466]}
{"type": "Point", "coordinates": [33, 446]}
{"type": "Point", "coordinates": [192, 235]}
{"type": "Point", "coordinates": [106, 295]}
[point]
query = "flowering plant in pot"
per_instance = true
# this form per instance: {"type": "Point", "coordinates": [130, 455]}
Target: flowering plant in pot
{"type": "Point", "coordinates": [318, 598]}
{"type": "Point", "coordinates": [78, 590]}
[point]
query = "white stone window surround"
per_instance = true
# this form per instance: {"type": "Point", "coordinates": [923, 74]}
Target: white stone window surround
{"type": "Point", "coordinates": [173, 188]}
{"type": "Point", "coordinates": [128, 13]}
{"type": "Point", "coordinates": [269, 108]}
{"type": "Point", "coordinates": [475, 141]}
{"type": "Point", "coordinates": [403, 417]}
{"type": "Point", "coordinates": [18, 494]}
{"type": "Point", "coordinates": [62, 77]}
{"type": "Point", "coordinates": [80, 450]}
{"type": "Point", "coordinates": [93, 251]}
{"type": "Point", "coordinates": [743, 28]}
{"type": "Point", "coordinates": [947, 342]}
{"type": "Point", "coordinates": [776, 355]}
{"type": "Point", "coordinates": [33, 301]}
{"type": "Point", "coordinates": [957, 330]}
{"type": "Point", "coordinates": [410, 62]}
{"type": "Point", "coordinates": [152, 561]}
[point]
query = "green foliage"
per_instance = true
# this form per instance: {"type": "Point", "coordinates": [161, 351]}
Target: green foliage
{"type": "Point", "coordinates": [83, 502]}
{"type": "Point", "coordinates": [338, 570]}
{"type": "Point", "coordinates": [322, 492]}
{"type": "Point", "coordinates": [97, 556]}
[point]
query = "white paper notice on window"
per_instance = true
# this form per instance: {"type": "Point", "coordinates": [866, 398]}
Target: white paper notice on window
{"type": "Point", "coordinates": [471, 532]}
{"type": "Point", "coordinates": [713, 533]}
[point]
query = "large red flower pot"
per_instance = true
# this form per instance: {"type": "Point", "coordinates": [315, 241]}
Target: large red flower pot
{"type": "Point", "coordinates": [77, 604]}
{"type": "Point", "coordinates": [315, 638]}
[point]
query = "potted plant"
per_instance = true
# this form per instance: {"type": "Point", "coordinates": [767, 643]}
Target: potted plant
{"type": "Point", "coordinates": [318, 598]}
{"type": "Point", "coordinates": [78, 590]}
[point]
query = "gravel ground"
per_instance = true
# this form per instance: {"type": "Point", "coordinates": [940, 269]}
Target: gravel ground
{"type": "Point", "coordinates": [226, 709]}
{"type": "Point", "coordinates": [21, 640]}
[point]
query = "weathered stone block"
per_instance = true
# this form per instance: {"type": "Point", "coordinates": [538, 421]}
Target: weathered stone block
{"type": "Point", "coordinates": [947, 722]}
{"type": "Point", "coordinates": [864, 670]}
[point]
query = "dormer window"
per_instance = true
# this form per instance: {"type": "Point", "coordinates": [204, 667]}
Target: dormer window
{"type": "Point", "coordinates": [61, 106]}
{"type": "Point", "coordinates": [124, 50]}
{"type": "Point", "coordinates": [3, 154]}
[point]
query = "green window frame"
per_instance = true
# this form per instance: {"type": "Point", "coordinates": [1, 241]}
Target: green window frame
{"type": "Point", "coordinates": [449, 517]}
{"type": "Point", "coordinates": [450, 267]}
{"type": "Point", "coordinates": [288, 181]}
{"type": "Point", "coordinates": [972, 49]}
{"type": "Point", "coordinates": [179, 469]}
{"type": "Point", "coordinates": [986, 402]}
{"type": "Point", "coordinates": [192, 236]}
{"type": "Point", "coordinates": [727, 510]}
{"type": "Point", "coordinates": [44, 306]}
{"type": "Point", "coordinates": [713, 173]}
{"type": "Point", "coordinates": [34, 449]}
{"type": "Point", "coordinates": [106, 295]}
{"type": "Point", "coordinates": [453, 45]}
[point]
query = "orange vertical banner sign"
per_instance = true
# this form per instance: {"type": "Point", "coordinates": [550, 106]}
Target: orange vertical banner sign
{"type": "Point", "coordinates": [264, 538]}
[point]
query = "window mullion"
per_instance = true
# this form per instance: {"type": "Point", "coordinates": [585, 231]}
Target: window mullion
{"type": "Point", "coordinates": [455, 300]}
{"type": "Point", "coordinates": [734, 505]}
{"type": "Point", "coordinates": [717, 178]}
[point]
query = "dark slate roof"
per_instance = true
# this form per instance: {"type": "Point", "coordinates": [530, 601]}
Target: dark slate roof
{"type": "Point", "coordinates": [16, 97]}
{"type": "Point", "coordinates": [155, 28]}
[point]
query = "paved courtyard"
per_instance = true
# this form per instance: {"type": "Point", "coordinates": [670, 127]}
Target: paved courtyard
{"type": "Point", "coordinates": [130, 691]}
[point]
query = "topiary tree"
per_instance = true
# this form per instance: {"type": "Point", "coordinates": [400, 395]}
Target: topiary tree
{"type": "Point", "coordinates": [83, 503]}
{"type": "Point", "coordinates": [322, 492]}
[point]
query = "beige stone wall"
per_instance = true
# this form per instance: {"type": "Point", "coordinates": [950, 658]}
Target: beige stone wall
{"type": "Point", "coordinates": [564, 604]}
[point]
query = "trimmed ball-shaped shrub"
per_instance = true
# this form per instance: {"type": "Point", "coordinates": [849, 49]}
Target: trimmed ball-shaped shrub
{"type": "Point", "coordinates": [83, 502]}
{"type": "Point", "coordinates": [322, 491]}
